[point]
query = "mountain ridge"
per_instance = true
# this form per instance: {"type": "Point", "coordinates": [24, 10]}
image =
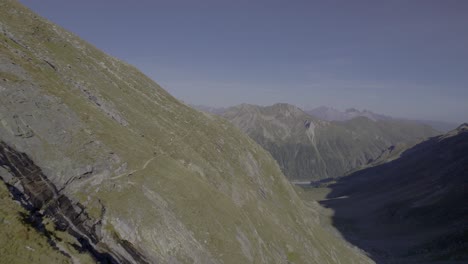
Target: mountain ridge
{"type": "Point", "coordinates": [332, 114]}
{"type": "Point", "coordinates": [326, 113]}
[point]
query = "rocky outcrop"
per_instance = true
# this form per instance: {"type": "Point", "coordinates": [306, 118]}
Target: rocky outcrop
{"type": "Point", "coordinates": [40, 197]}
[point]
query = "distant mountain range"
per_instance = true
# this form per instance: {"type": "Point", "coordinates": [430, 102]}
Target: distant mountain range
{"type": "Point", "coordinates": [332, 114]}
{"type": "Point", "coordinates": [210, 109]}
{"type": "Point", "coordinates": [308, 148]}
{"type": "Point", "coordinates": [412, 209]}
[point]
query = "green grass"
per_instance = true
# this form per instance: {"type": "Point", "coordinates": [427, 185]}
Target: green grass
{"type": "Point", "coordinates": [21, 243]}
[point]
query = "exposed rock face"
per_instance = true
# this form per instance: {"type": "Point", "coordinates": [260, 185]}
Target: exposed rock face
{"type": "Point", "coordinates": [40, 196]}
{"type": "Point", "coordinates": [308, 148]}
{"type": "Point", "coordinates": [132, 174]}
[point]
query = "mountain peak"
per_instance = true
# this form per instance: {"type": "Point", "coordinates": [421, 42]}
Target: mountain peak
{"type": "Point", "coordinates": [463, 127]}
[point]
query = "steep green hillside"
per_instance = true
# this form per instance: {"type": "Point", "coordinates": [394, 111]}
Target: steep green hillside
{"type": "Point", "coordinates": [308, 148]}
{"type": "Point", "coordinates": [131, 173]}
{"type": "Point", "coordinates": [412, 209]}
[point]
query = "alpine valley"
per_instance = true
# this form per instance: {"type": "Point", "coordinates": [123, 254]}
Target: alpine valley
{"type": "Point", "coordinates": [99, 164]}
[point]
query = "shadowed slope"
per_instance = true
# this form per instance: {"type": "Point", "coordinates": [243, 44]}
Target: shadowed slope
{"type": "Point", "coordinates": [412, 209]}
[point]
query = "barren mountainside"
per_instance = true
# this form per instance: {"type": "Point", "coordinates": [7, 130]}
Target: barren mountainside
{"type": "Point", "coordinates": [99, 163]}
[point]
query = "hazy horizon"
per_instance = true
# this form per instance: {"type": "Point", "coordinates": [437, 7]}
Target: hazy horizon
{"type": "Point", "coordinates": [398, 58]}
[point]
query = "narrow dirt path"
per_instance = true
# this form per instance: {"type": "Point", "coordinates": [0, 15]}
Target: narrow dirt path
{"type": "Point", "coordinates": [143, 167]}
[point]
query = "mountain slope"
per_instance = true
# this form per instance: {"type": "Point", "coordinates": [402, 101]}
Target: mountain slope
{"type": "Point", "coordinates": [308, 148]}
{"type": "Point", "coordinates": [412, 209]}
{"type": "Point", "coordinates": [130, 173]}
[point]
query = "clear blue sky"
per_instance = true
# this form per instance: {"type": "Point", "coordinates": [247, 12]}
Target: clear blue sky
{"type": "Point", "coordinates": [403, 58]}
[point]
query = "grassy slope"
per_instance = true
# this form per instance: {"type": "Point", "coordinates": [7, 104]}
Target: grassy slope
{"type": "Point", "coordinates": [195, 189]}
{"type": "Point", "coordinates": [21, 243]}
